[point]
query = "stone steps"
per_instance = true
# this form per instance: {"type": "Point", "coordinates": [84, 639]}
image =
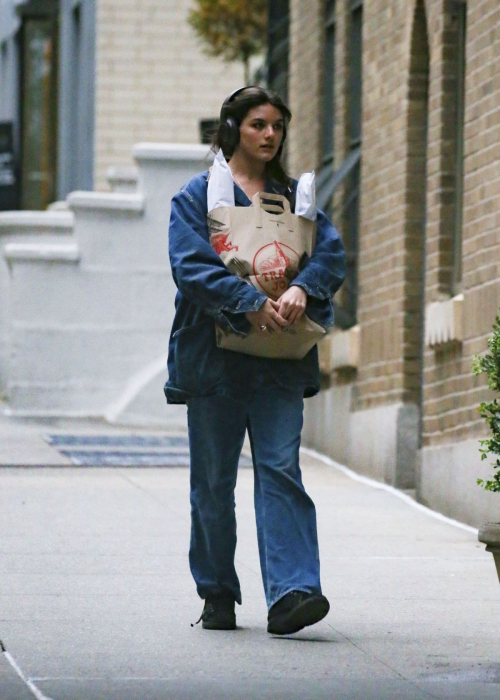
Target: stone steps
{"type": "Point", "coordinates": [90, 307]}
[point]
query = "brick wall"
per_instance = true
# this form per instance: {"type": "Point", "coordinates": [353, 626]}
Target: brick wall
{"type": "Point", "coordinates": [153, 82]}
{"type": "Point", "coordinates": [383, 255]}
{"type": "Point", "coordinates": [408, 181]}
{"type": "Point", "coordinates": [452, 393]}
{"type": "Point", "coordinates": [305, 85]}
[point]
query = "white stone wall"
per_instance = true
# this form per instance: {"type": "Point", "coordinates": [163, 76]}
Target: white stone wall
{"type": "Point", "coordinates": [153, 81]}
{"type": "Point", "coordinates": [90, 311]}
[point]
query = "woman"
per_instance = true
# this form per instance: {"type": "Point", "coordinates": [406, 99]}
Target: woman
{"type": "Point", "coordinates": [228, 393]}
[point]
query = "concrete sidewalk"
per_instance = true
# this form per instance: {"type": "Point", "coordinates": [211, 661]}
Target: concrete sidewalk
{"type": "Point", "coordinates": [24, 442]}
{"type": "Point", "coordinates": [96, 598]}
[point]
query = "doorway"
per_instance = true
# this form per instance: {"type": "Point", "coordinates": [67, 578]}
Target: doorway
{"type": "Point", "coordinates": [39, 111]}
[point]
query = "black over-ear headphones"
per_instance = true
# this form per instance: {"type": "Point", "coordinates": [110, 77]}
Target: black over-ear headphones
{"type": "Point", "coordinates": [229, 127]}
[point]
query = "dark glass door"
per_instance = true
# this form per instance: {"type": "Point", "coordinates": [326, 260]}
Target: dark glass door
{"type": "Point", "coordinates": [39, 113]}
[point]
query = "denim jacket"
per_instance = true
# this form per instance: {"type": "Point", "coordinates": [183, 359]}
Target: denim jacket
{"type": "Point", "coordinates": [209, 293]}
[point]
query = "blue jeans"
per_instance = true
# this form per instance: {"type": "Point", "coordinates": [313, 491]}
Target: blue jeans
{"type": "Point", "coordinates": [286, 517]}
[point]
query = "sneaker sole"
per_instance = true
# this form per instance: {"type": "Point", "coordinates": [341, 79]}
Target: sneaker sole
{"type": "Point", "coordinates": [218, 625]}
{"type": "Point", "coordinates": [306, 613]}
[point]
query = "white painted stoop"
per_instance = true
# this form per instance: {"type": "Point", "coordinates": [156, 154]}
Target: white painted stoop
{"type": "Point", "coordinates": [88, 298]}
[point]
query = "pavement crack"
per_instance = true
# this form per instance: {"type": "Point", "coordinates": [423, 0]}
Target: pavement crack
{"type": "Point", "coordinates": [381, 661]}
{"type": "Point", "coordinates": [158, 501]}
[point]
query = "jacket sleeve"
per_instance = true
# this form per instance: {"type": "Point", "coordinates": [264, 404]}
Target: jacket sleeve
{"type": "Point", "coordinates": [323, 273]}
{"type": "Point", "coordinates": [325, 270]}
{"type": "Point", "coordinates": [198, 272]}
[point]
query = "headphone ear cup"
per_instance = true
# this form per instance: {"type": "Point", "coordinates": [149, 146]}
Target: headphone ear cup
{"type": "Point", "coordinates": [230, 132]}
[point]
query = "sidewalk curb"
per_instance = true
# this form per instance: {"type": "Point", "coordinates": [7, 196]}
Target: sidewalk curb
{"type": "Point", "coordinates": [389, 489]}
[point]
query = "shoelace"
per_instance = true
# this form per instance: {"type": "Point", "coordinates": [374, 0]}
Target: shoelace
{"type": "Point", "coordinates": [209, 608]}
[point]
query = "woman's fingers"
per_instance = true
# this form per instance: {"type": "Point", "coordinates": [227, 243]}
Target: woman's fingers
{"type": "Point", "coordinates": [271, 315]}
{"type": "Point", "coordinates": [292, 311]}
{"type": "Point", "coordinates": [274, 314]}
{"type": "Point", "coordinates": [275, 322]}
{"type": "Point", "coordinates": [292, 303]}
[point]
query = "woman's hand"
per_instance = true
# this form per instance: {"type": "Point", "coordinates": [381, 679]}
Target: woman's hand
{"type": "Point", "coordinates": [292, 304]}
{"type": "Point", "coordinates": [269, 316]}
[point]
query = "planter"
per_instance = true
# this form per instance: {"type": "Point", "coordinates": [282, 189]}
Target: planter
{"type": "Point", "coordinates": [489, 534]}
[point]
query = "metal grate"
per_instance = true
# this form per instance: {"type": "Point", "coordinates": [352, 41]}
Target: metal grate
{"type": "Point", "coordinates": [127, 450]}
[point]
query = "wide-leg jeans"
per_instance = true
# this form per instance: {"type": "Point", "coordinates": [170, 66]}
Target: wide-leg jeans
{"type": "Point", "coordinates": [285, 514]}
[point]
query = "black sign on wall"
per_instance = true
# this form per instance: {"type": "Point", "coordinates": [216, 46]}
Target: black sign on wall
{"type": "Point", "coordinates": [8, 176]}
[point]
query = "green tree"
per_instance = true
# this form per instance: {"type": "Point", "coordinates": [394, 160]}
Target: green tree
{"type": "Point", "coordinates": [232, 29]}
{"type": "Point", "coordinates": [490, 410]}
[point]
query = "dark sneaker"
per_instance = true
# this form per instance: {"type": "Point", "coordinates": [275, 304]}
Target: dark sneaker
{"type": "Point", "coordinates": [218, 613]}
{"type": "Point", "coordinates": [295, 611]}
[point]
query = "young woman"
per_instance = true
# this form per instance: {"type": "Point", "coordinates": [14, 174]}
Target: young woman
{"type": "Point", "coordinates": [228, 393]}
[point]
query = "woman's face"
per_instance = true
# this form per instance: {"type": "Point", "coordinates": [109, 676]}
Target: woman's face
{"type": "Point", "coordinates": [261, 133]}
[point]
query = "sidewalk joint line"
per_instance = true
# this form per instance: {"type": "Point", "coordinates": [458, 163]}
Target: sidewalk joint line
{"type": "Point", "coordinates": [389, 489]}
{"type": "Point", "coordinates": [36, 692]}
{"type": "Point", "coordinates": [381, 661]}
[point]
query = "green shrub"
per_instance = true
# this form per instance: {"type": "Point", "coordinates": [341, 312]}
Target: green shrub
{"type": "Point", "coordinates": [490, 411]}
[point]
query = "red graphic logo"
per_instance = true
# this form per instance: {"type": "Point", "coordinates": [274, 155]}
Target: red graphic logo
{"type": "Point", "coordinates": [273, 267]}
{"type": "Point", "coordinates": [220, 243]}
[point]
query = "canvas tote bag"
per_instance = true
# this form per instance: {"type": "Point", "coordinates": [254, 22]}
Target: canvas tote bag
{"type": "Point", "coordinates": [266, 245]}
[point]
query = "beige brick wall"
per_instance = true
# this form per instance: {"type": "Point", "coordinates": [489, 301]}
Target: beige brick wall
{"type": "Point", "coordinates": [383, 207]}
{"type": "Point", "coordinates": [304, 85]}
{"type": "Point", "coordinates": [153, 81]}
{"type": "Point", "coordinates": [403, 184]}
{"type": "Point", "coordinates": [452, 393]}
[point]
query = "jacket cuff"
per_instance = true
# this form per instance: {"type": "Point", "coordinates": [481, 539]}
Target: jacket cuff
{"type": "Point", "coordinates": [238, 323]}
{"type": "Point", "coordinates": [309, 283]}
{"type": "Point", "coordinates": [249, 300]}
{"type": "Point", "coordinates": [233, 315]}
{"type": "Point", "coordinates": [321, 311]}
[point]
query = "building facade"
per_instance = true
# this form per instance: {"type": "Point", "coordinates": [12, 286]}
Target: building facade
{"type": "Point", "coordinates": [82, 81]}
{"type": "Point", "coordinates": [397, 106]}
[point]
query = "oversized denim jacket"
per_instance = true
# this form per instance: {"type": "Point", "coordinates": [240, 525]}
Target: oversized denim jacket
{"type": "Point", "coordinates": [209, 293]}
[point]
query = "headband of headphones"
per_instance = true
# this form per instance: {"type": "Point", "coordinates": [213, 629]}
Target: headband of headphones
{"type": "Point", "coordinates": [234, 94]}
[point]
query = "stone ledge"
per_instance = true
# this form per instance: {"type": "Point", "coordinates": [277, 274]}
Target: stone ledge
{"type": "Point", "coordinates": [24, 221]}
{"type": "Point", "coordinates": [444, 321]}
{"type": "Point", "coordinates": [339, 350]}
{"type": "Point", "coordinates": [111, 201]}
{"type": "Point", "coordinates": [45, 252]}
{"type": "Point", "coordinates": [122, 179]}
{"type": "Point", "coordinates": [172, 151]}
{"type": "Point", "coordinates": [59, 205]}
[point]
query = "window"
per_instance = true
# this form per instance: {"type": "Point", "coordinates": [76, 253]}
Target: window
{"type": "Point", "coordinates": [347, 310]}
{"type": "Point", "coordinates": [459, 16]}
{"type": "Point", "coordinates": [329, 84]}
{"type": "Point", "coordinates": [349, 172]}
{"type": "Point", "coordinates": [278, 42]}
{"type": "Point", "coordinates": [355, 72]}
{"type": "Point", "coordinates": [208, 129]}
